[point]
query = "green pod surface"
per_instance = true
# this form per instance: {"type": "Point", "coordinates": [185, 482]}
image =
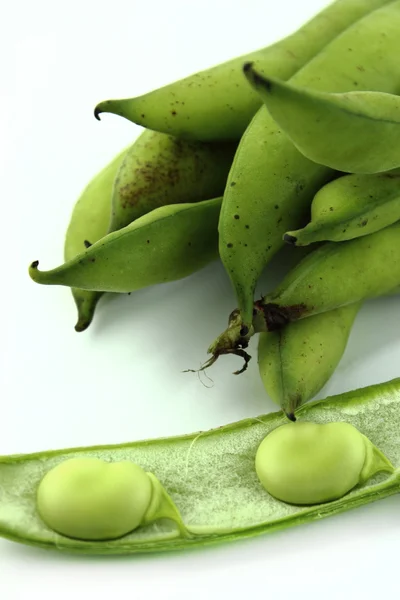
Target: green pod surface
{"type": "Point", "coordinates": [350, 207]}
{"type": "Point", "coordinates": [89, 222]}
{"type": "Point", "coordinates": [332, 276]}
{"type": "Point", "coordinates": [271, 184]}
{"type": "Point", "coordinates": [211, 478]}
{"type": "Point", "coordinates": [159, 169]}
{"type": "Point", "coordinates": [216, 103]}
{"type": "Point", "coordinates": [156, 170]}
{"type": "Point", "coordinates": [354, 132]}
{"type": "Point", "coordinates": [297, 361]}
{"type": "Point", "coordinates": [167, 244]}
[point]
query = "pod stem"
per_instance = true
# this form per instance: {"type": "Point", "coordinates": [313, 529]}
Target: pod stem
{"type": "Point", "coordinates": [233, 340]}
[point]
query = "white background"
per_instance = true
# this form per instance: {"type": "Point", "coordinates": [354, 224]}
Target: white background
{"type": "Point", "coordinates": [121, 380]}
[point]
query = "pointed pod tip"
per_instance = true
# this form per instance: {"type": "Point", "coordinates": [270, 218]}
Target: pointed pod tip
{"type": "Point", "coordinates": [82, 324]}
{"type": "Point", "coordinates": [34, 264]}
{"type": "Point", "coordinates": [255, 79]}
{"type": "Point", "coordinates": [97, 111]}
{"type": "Point", "coordinates": [290, 239]}
{"type": "Point", "coordinates": [291, 416]}
{"type": "Point", "coordinates": [247, 66]}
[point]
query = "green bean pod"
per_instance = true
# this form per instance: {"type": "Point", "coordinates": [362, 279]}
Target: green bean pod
{"type": "Point", "coordinates": [212, 480]}
{"type": "Point", "coordinates": [271, 184]}
{"type": "Point", "coordinates": [156, 170]}
{"type": "Point", "coordinates": [297, 361]}
{"type": "Point", "coordinates": [332, 276]}
{"type": "Point", "coordinates": [216, 103]}
{"type": "Point", "coordinates": [89, 221]}
{"type": "Point", "coordinates": [168, 243]}
{"type": "Point", "coordinates": [159, 169]}
{"type": "Point", "coordinates": [354, 132]}
{"type": "Point", "coordinates": [350, 207]}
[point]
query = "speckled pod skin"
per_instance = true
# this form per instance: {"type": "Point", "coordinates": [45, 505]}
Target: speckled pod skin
{"type": "Point", "coordinates": [271, 184]}
{"type": "Point", "coordinates": [167, 244]}
{"type": "Point", "coordinates": [159, 169]}
{"type": "Point", "coordinates": [156, 170]}
{"type": "Point", "coordinates": [332, 276]}
{"type": "Point", "coordinates": [350, 207]}
{"type": "Point", "coordinates": [354, 132]}
{"type": "Point", "coordinates": [216, 103]}
{"type": "Point", "coordinates": [297, 361]}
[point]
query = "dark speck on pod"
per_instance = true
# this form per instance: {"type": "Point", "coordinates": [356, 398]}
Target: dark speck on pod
{"type": "Point", "coordinates": [148, 241]}
{"type": "Point", "coordinates": [173, 113]}
{"type": "Point", "coordinates": [86, 243]}
{"type": "Point", "coordinates": [236, 217]}
{"type": "Point", "coordinates": [230, 245]}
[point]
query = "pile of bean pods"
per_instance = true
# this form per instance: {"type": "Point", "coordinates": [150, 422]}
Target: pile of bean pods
{"type": "Point", "coordinates": [296, 143]}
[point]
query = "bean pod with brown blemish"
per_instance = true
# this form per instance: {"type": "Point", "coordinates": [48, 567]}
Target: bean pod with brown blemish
{"type": "Point", "coordinates": [269, 172]}
{"type": "Point", "coordinates": [332, 276]}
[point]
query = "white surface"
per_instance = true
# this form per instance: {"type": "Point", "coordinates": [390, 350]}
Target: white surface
{"type": "Point", "coordinates": [121, 380]}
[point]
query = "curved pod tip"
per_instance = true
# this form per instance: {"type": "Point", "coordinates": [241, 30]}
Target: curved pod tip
{"type": "Point", "coordinates": [290, 239]}
{"type": "Point", "coordinates": [33, 270]}
{"type": "Point", "coordinates": [82, 324]}
{"type": "Point", "coordinates": [97, 111]}
{"type": "Point", "coordinates": [255, 79]}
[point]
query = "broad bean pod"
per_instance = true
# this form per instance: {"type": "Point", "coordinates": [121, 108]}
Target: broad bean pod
{"type": "Point", "coordinates": [167, 244]}
{"type": "Point", "coordinates": [271, 184]}
{"type": "Point", "coordinates": [350, 207]}
{"type": "Point", "coordinates": [216, 103]}
{"type": "Point", "coordinates": [211, 478]}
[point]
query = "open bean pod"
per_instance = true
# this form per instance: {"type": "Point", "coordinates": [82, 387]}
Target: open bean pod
{"type": "Point", "coordinates": [211, 478]}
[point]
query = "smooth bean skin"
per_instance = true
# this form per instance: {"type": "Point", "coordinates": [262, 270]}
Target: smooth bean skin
{"type": "Point", "coordinates": [216, 103]}
{"type": "Point", "coordinates": [90, 499]}
{"type": "Point", "coordinates": [354, 132]}
{"type": "Point", "coordinates": [308, 463]}
{"type": "Point", "coordinates": [271, 184]}
{"type": "Point", "coordinates": [349, 207]}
